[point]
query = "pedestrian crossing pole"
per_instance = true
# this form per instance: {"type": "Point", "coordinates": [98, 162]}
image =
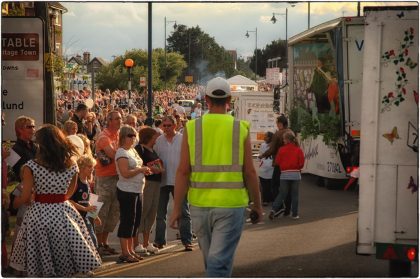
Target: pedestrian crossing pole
{"type": "Point", "coordinates": [129, 63]}
{"type": "Point", "coordinates": [41, 11]}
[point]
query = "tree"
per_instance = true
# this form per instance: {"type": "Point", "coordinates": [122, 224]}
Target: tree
{"type": "Point", "coordinates": [275, 49]}
{"type": "Point", "coordinates": [204, 57]}
{"type": "Point", "coordinates": [115, 75]}
{"type": "Point", "coordinates": [243, 68]}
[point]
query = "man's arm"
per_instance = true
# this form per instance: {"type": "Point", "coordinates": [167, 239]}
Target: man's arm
{"type": "Point", "coordinates": [181, 182]}
{"type": "Point", "coordinates": [273, 146]}
{"type": "Point", "coordinates": [104, 143]}
{"type": "Point", "coordinates": [251, 180]}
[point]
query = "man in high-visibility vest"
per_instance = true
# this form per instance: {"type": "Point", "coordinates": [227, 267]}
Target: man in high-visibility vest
{"type": "Point", "coordinates": [217, 171]}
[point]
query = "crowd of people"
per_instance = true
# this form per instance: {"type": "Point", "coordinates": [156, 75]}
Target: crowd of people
{"type": "Point", "coordinates": [94, 171]}
{"type": "Point", "coordinates": [119, 99]}
{"type": "Point", "coordinates": [130, 168]}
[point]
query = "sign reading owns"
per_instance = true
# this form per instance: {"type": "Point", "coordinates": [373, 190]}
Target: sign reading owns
{"type": "Point", "coordinates": [22, 71]}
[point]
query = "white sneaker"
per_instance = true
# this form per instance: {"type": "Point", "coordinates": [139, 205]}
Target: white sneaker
{"type": "Point", "coordinates": [152, 249]}
{"type": "Point", "coordinates": [140, 249]}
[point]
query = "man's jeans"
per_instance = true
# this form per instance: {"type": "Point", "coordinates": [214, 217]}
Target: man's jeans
{"type": "Point", "coordinates": [218, 232]}
{"type": "Point", "coordinates": [185, 223]}
{"type": "Point", "coordinates": [286, 186]}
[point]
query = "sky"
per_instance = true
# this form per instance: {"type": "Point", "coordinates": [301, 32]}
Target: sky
{"type": "Point", "coordinates": [108, 29]}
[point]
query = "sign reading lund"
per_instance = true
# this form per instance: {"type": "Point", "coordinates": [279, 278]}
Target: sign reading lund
{"type": "Point", "coordinates": [22, 71]}
{"type": "Point", "coordinates": [20, 46]}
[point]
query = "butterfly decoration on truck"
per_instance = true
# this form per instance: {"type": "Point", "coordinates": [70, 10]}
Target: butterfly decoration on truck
{"type": "Point", "coordinates": [412, 185]}
{"type": "Point", "coordinates": [392, 136]}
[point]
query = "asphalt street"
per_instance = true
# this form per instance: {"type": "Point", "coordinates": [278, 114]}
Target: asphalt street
{"type": "Point", "coordinates": [322, 243]}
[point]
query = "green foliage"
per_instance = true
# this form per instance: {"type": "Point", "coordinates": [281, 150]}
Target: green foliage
{"type": "Point", "coordinates": [15, 8]}
{"type": "Point", "coordinates": [204, 57]}
{"type": "Point", "coordinates": [243, 68]}
{"type": "Point", "coordinates": [327, 125]}
{"type": "Point", "coordinates": [294, 120]}
{"type": "Point", "coordinates": [275, 49]}
{"type": "Point", "coordinates": [330, 128]}
{"type": "Point", "coordinates": [115, 75]}
{"type": "Point", "coordinates": [57, 65]}
{"type": "Point", "coordinates": [309, 126]}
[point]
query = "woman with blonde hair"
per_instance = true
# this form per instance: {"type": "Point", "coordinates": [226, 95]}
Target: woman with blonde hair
{"type": "Point", "coordinates": [53, 240]}
{"type": "Point", "coordinates": [130, 186]}
{"type": "Point", "coordinates": [291, 160]}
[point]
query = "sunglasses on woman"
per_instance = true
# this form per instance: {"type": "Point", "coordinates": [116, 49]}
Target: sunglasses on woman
{"type": "Point", "coordinates": [131, 135]}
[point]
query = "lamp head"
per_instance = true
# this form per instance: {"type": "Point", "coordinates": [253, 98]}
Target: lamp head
{"type": "Point", "coordinates": [293, 3]}
{"type": "Point", "coordinates": [247, 34]}
{"type": "Point", "coordinates": [175, 25]}
{"type": "Point", "coordinates": [273, 19]}
{"type": "Point", "coordinates": [129, 63]}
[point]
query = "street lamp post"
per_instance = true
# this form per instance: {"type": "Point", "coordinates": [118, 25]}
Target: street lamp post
{"type": "Point", "coordinates": [166, 22]}
{"type": "Point", "coordinates": [129, 63]}
{"type": "Point", "coordinates": [256, 49]}
{"type": "Point", "coordinates": [189, 52]}
{"type": "Point", "coordinates": [274, 20]}
{"type": "Point", "coordinates": [93, 83]}
{"type": "Point", "coordinates": [309, 14]}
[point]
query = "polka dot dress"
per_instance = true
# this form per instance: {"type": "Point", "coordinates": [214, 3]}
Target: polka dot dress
{"type": "Point", "coordinates": [53, 240]}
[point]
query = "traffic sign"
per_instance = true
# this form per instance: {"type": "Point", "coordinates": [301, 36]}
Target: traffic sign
{"type": "Point", "coordinates": [143, 81]}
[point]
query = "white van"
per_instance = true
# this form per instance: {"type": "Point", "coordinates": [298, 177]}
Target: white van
{"type": "Point", "coordinates": [187, 105]}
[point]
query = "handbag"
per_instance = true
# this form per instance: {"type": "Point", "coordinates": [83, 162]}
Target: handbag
{"type": "Point", "coordinates": [103, 158]}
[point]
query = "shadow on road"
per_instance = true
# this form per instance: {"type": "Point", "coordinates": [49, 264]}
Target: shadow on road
{"type": "Point", "coordinates": [328, 263]}
{"type": "Point", "coordinates": [316, 203]}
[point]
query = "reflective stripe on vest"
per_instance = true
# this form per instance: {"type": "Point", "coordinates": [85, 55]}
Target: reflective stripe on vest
{"type": "Point", "coordinates": [235, 167]}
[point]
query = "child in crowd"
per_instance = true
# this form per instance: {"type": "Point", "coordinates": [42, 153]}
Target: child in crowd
{"type": "Point", "coordinates": [291, 160]}
{"type": "Point", "coordinates": [80, 198]}
{"type": "Point", "coordinates": [265, 170]}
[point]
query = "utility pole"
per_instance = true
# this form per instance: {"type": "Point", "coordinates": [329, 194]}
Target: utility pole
{"type": "Point", "coordinates": [41, 11]}
{"type": "Point", "coordinates": [149, 120]}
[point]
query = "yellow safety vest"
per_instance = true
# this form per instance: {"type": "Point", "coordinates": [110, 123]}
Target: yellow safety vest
{"type": "Point", "coordinates": [216, 146]}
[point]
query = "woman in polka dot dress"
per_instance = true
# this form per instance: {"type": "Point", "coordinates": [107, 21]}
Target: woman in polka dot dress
{"type": "Point", "coordinates": [53, 240]}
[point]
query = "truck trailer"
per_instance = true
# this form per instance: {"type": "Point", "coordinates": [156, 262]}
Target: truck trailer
{"type": "Point", "coordinates": [324, 96]}
{"type": "Point", "coordinates": [388, 184]}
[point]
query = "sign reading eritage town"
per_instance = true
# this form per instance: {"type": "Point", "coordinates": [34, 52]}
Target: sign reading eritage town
{"type": "Point", "coordinates": [22, 61]}
{"type": "Point", "coordinates": [20, 46]}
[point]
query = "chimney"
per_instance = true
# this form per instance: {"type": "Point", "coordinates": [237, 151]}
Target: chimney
{"type": "Point", "coordinates": [86, 57]}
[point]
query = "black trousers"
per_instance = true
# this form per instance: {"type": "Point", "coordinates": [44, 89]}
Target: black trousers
{"type": "Point", "coordinates": [130, 213]}
{"type": "Point", "coordinates": [266, 192]}
{"type": "Point", "coordinates": [275, 185]}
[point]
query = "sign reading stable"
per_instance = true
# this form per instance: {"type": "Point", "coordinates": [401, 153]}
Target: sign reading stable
{"type": "Point", "coordinates": [20, 46]}
{"type": "Point", "coordinates": [22, 71]}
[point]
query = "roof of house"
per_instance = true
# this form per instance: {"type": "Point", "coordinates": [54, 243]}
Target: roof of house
{"type": "Point", "coordinates": [58, 6]}
{"type": "Point", "coordinates": [100, 60]}
{"type": "Point", "coordinates": [241, 80]}
{"type": "Point", "coordinates": [78, 60]}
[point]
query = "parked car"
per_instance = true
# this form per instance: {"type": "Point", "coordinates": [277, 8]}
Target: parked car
{"type": "Point", "coordinates": [187, 105]}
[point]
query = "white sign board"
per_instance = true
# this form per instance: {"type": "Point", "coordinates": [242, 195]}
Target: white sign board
{"type": "Point", "coordinates": [143, 81]}
{"type": "Point", "coordinates": [273, 76]}
{"type": "Point", "coordinates": [22, 73]}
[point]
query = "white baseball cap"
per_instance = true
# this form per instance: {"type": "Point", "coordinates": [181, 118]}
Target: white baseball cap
{"type": "Point", "coordinates": [218, 88]}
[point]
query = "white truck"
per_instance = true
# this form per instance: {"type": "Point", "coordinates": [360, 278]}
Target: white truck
{"type": "Point", "coordinates": [389, 161]}
{"type": "Point", "coordinates": [256, 108]}
{"type": "Point", "coordinates": [323, 103]}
